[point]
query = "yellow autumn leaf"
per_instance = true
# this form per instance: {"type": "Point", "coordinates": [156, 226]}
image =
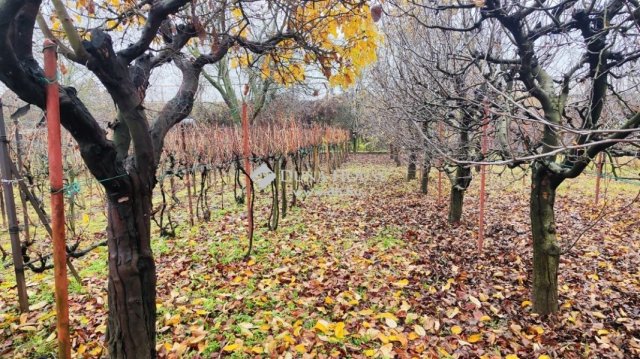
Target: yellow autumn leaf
{"type": "Point", "coordinates": [474, 338]}
{"type": "Point", "coordinates": [300, 348]}
{"type": "Point", "coordinates": [456, 329]}
{"type": "Point", "coordinates": [95, 352]}
{"type": "Point", "coordinates": [383, 338]}
{"type": "Point", "coordinates": [602, 332]}
{"type": "Point", "coordinates": [339, 331]}
{"type": "Point", "coordinates": [231, 347]}
{"type": "Point", "coordinates": [328, 300]}
{"type": "Point", "coordinates": [537, 329]}
{"type": "Point", "coordinates": [485, 318]}
{"type": "Point", "coordinates": [544, 356]}
{"type": "Point", "coordinates": [322, 325]}
{"type": "Point", "coordinates": [511, 356]}
{"type": "Point", "coordinates": [369, 352]}
{"type": "Point", "coordinates": [237, 13]}
{"type": "Point", "coordinates": [81, 349]}
{"type": "Point", "coordinates": [401, 283]}
{"type": "Point", "coordinates": [386, 316]}
{"type": "Point", "coordinates": [526, 303]}
{"type": "Point", "coordinates": [172, 320]}
{"type": "Point", "coordinates": [57, 25]}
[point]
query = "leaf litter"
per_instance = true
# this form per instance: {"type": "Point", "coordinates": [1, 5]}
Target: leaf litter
{"type": "Point", "coordinates": [372, 272]}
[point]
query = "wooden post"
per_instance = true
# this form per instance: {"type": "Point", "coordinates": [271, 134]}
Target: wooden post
{"type": "Point", "coordinates": [54, 142]}
{"type": "Point", "coordinates": [315, 168]}
{"type": "Point", "coordinates": [14, 229]}
{"type": "Point", "coordinates": [483, 176]}
{"type": "Point", "coordinates": [188, 176]}
{"type": "Point", "coordinates": [23, 200]}
{"type": "Point", "coordinates": [246, 153]}
{"type": "Point", "coordinates": [2, 208]}
{"type": "Point", "coordinates": [599, 176]}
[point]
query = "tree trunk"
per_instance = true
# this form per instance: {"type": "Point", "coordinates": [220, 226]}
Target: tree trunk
{"type": "Point", "coordinates": [546, 253]}
{"type": "Point", "coordinates": [460, 185]}
{"type": "Point", "coordinates": [455, 204]}
{"type": "Point", "coordinates": [424, 181]}
{"type": "Point", "coordinates": [132, 277]}
{"type": "Point", "coordinates": [411, 169]}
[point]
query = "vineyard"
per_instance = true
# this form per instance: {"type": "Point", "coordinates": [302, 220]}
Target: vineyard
{"type": "Point", "coordinates": [201, 163]}
{"type": "Point", "coordinates": [319, 179]}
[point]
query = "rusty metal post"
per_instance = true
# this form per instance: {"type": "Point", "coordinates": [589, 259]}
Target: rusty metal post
{"type": "Point", "coordinates": [54, 142]}
{"type": "Point", "coordinates": [14, 229]}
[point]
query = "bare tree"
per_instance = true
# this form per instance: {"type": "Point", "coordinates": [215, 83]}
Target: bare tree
{"type": "Point", "coordinates": [126, 165]}
{"type": "Point", "coordinates": [565, 94]}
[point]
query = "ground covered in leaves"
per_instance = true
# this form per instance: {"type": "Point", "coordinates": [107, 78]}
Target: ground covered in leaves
{"type": "Point", "coordinates": [368, 267]}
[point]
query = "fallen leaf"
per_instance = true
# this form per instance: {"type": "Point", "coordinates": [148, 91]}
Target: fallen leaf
{"type": "Point", "coordinates": [456, 329]}
{"type": "Point", "coordinates": [231, 347]}
{"type": "Point", "coordinates": [339, 331]}
{"type": "Point", "coordinates": [419, 330]}
{"type": "Point", "coordinates": [474, 338]}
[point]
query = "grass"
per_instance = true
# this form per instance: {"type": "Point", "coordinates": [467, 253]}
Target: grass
{"type": "Point", "coordinates": [387, 238]}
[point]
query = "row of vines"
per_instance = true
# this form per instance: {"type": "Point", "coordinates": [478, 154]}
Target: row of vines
{"type": "Point", "coordinates": [200, 164]}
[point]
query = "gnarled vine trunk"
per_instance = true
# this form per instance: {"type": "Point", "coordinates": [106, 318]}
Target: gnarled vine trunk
{"type": "Point", "coordinates": [132, 276]}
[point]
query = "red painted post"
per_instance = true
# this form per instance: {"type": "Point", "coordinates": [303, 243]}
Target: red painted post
{"type": "Point", "coordinates": [483, 177]}
{"type": "Point", "coordinates": [247, 167]}
{"type": "Point", "coordinates": [599, 176]}
{"type": "Point", "coordinates": [54, 143]}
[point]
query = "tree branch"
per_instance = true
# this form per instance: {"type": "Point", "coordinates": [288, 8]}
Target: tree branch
{"type": "Point", "coordinates": [158, 13]}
